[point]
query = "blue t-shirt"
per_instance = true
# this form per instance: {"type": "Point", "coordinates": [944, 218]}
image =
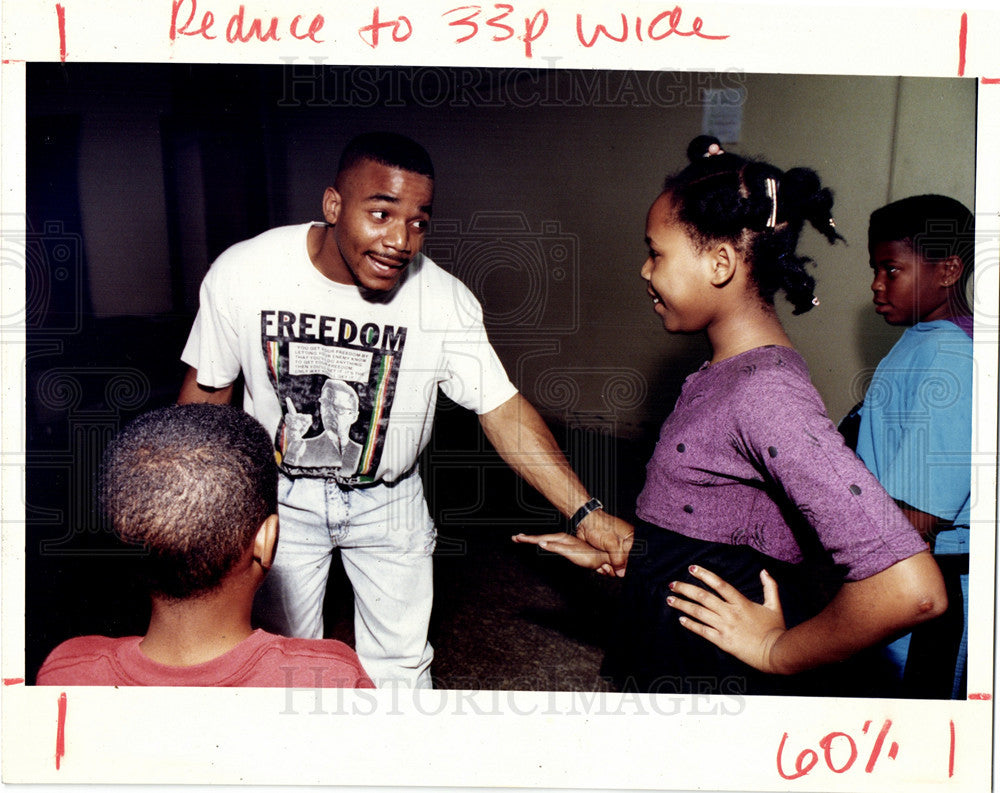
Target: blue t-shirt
{"type": "Point", "coordinates": [916, 425]}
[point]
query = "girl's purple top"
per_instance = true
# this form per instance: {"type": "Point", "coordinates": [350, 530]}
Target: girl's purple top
{"type": "Point", "coordinates": [749, 457]}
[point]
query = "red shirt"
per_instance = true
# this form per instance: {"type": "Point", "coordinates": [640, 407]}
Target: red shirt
{"type": "Point", "coordinates": [262, 660]}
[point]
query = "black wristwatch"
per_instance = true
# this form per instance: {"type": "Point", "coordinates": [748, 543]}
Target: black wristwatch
{"type": "Point", "coordinates": [582, 512]}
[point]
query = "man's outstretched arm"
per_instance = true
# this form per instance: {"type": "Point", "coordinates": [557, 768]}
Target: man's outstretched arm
{"type": "Point", "coordinates": [525, 443]}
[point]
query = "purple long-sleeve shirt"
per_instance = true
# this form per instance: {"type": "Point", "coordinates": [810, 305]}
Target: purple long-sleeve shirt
{"type": "Point", "coordinates": [749, 457]}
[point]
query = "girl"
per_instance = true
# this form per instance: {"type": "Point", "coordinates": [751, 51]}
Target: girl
{"type": "Point", "coordinates": [749, 478]}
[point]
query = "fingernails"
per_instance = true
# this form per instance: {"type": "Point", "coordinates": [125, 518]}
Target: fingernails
{"type": "Point", "coordinates": [670, 600]}
{"type": "Point", "coordinates": [693, 568]}
{"type": "Point", "coordinates": [671, 585]}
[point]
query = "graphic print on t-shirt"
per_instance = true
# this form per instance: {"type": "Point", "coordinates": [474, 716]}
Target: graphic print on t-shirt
{"type": "Point", "coordinates": [335, 381]}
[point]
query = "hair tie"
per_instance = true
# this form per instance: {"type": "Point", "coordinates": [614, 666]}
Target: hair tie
{"type": "Point", "coordinates": [713, 150]}
{"type": "Point", "coordinates": [815, 300]}
{"type": "Point", "coordinates": [771, 187]}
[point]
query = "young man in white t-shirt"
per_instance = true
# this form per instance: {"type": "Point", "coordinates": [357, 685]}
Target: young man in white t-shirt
{"type": "Point", "coordinates": [351, 302]}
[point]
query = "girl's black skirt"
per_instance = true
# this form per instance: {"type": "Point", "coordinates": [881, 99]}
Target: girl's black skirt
{"type": "Point", "coordinates": [652, 652]}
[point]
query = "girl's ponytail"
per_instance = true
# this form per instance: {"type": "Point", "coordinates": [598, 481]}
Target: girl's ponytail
{"type": "Point", "coordinates": [757, 208]}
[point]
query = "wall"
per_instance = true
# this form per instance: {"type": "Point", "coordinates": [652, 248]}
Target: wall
{"type": "Point", "coordinates": [121, 188]}
{"type": "Point", "coordinates": [873, 140]}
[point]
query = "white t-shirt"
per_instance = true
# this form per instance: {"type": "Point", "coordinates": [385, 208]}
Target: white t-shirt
{"type": "Point", "coordinates": [345, 385]}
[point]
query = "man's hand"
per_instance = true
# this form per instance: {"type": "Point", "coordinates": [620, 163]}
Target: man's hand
{"type": "Point", "coordinates": [609, 534]}
{"type": "Point", "coordinates": [732, 622]}
{"type": "Point", "coordinates": [572, 548]}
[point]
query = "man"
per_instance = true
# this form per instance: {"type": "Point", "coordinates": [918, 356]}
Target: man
{"type": "Point", "coordinates": [353, 300]}
{"type": "Point", "coordinates": [195, 486]}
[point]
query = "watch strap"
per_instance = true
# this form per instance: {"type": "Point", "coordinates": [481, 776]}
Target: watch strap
{"type": "Point", "coordinates": [582, 512]}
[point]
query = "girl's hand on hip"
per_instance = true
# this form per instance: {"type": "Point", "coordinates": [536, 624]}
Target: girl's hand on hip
{"type": "Point", "coordinates": [732, 622]}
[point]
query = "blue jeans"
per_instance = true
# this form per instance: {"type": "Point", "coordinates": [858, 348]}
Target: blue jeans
{"type": "Point", "coordinates": [386, 538]}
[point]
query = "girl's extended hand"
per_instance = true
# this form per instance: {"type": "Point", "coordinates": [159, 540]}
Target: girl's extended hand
{"type": "Point", "coordinates": [573, 548]}
{"type": "Point", "coordinates": [732, 622]}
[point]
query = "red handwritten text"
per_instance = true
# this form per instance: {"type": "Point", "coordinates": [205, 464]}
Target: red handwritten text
{"type": "Point", "coordinates": [238, 28]}
{"type": "Point", "coordinates": [840, 751]}
{"type": "Point", "coordinates": [663, 25]}
{"type": "Point", "coordinates": [533, 27]}
{"type": "Point", "coordinates": [377, 25]}
{"type": "Point", "coordinates": [234, 30]}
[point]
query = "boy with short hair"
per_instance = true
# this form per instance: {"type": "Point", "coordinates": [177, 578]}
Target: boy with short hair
{"type": "Point", "coordinates": [195, 486]}
{"type": "Point", "coordinates": [915, 430]}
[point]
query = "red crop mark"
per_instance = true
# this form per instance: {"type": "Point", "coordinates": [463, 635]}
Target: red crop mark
{"type": "Point", "coordinates": [951, 751]}
{"type": "Point", "coordinates": [984, 697]}
{"type": "Point", "coordinates": [61, 730]}
{"type": "Point", "coordinates": [963, 36]}
{"type": "Point", "coordinates": [61, 16]}
{"type": "Point", "coordinates": [12, 681]}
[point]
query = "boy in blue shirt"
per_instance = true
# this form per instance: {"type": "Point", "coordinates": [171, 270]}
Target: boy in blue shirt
{"type": "Point", "coordinates": [915, 430]}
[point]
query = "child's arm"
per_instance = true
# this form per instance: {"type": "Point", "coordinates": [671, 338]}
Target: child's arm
{"type": "Point", "coordinates": [863, 612]}
{"type": "Point", "coordinates": [573, 548]}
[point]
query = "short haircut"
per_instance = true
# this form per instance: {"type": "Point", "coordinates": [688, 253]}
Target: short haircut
{"type": "Point", "coordinates": [934, 226]}
{"type": "Point", "coordinates": [387, 148]}
{"type": "Point", "coordinates": [192, 485]}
